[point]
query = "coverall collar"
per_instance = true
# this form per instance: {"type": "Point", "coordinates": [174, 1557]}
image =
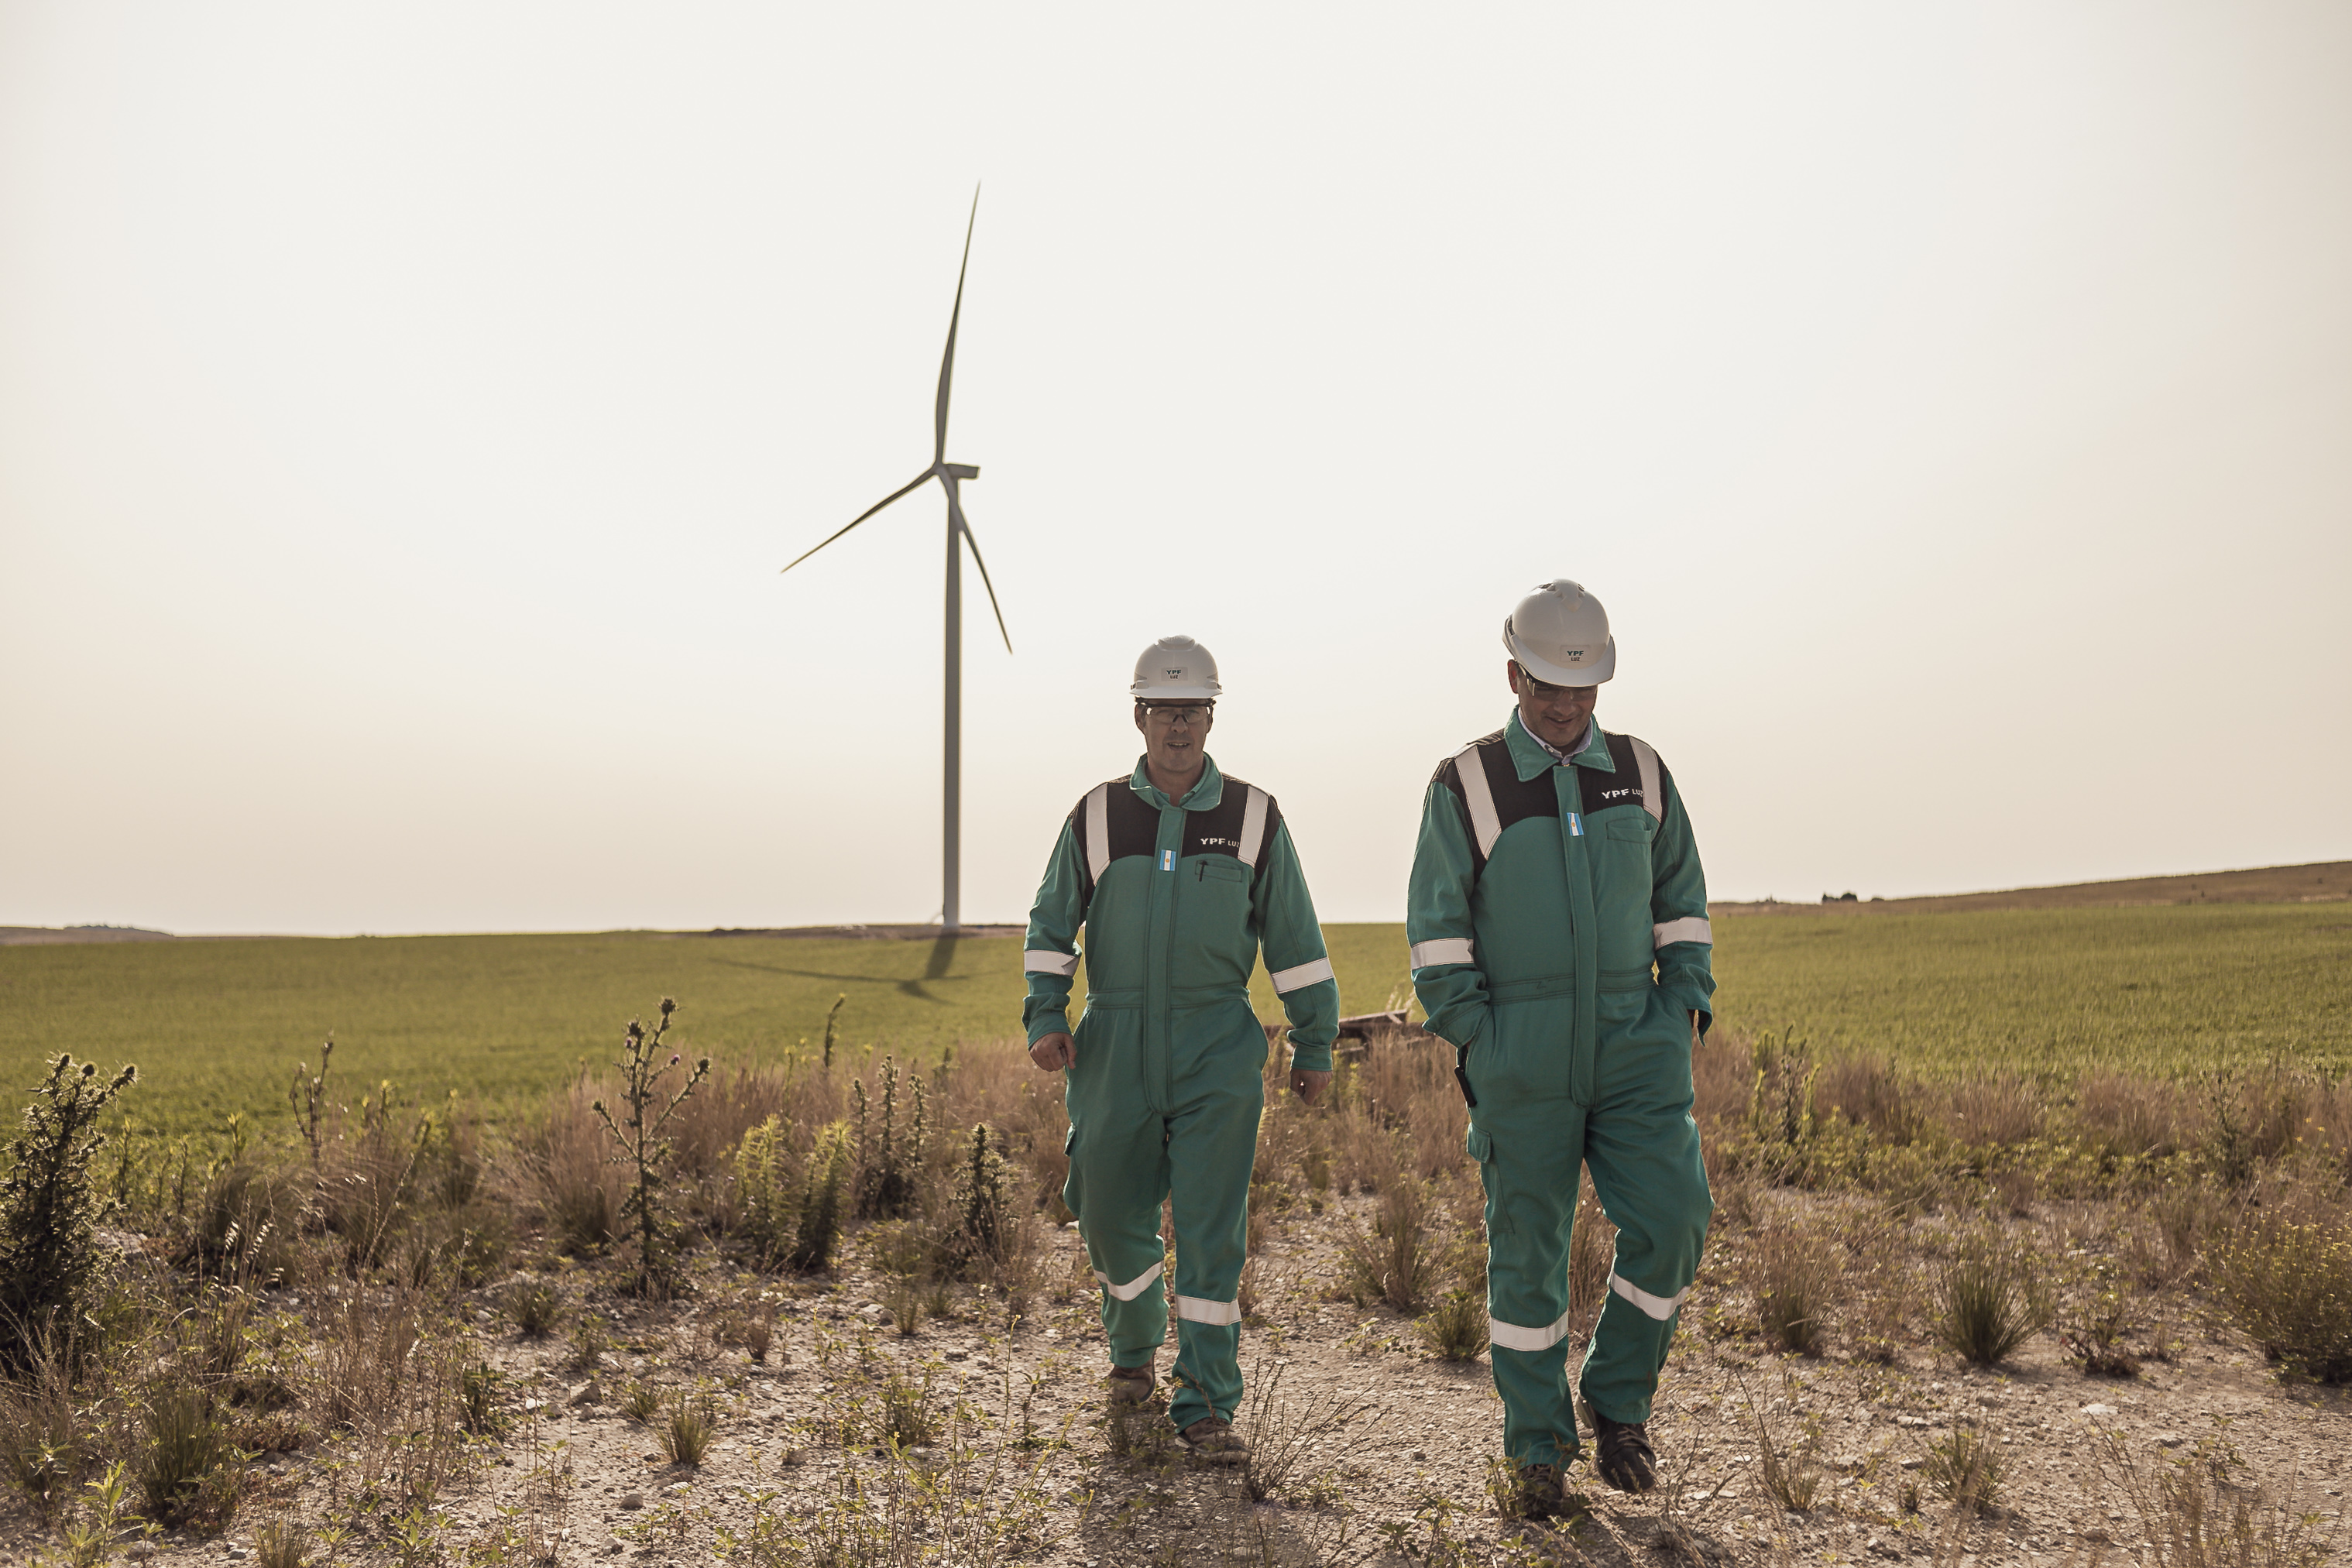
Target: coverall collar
{"type": "Point", "coordinates": [1202, 797]}
{"type": "Point", "coordinates": [1530, 756]}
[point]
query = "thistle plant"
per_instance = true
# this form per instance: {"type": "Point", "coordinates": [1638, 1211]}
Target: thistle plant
{"type": "Point", "coordinates": [51, 1208]}
{"type": "Point", "coordinates": [646, 1107]}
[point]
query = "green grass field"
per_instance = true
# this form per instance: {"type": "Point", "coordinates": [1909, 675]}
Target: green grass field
{"type": "Point", "coordinates": [216, 1027]}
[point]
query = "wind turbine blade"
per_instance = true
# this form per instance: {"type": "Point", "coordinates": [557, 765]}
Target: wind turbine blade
{"type": "Point", "coordinates": [860, 517]}
{"type": "Point", "coordinates": [956, 508]}
{"type": "Point", "coordinates": [947, 360]}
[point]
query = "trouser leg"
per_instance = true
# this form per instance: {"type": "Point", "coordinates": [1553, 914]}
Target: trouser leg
{"type": "Point", "coordinates": [1212, 1146]}
{"type": "Point", "coordinates": [1118, 1175]}
{"type": "Point", "coordinates": [1652, 1183]}
{"type": "Point", "coordinates": [1527, 1158]}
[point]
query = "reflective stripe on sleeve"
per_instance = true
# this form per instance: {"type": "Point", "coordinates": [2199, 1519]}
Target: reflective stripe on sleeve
{"type": "Point", "coordinates": [1134, 1287]}
{"type": "Point", "coordinates": [1485, 824]}
{"type": "Point", "coordinates": [1441, 950]}
{"type": "Point", "coordinates": [1253, 827]}
{"type": "Point", "coordinates": [1099, 832]}
{"type": "Point", "coordinates": [1045, 961]}
{"type": "Point", "coordinates": [1659, 1307]}
{"type": "Point", "coordinates": [1645, 758]}
{"type": "Point", "coordinates": [1300, 975]}
{"type": "Point", "coordinates": [1511, 1336]}
{"type": "Point", "coordinates": [1193, 1310]}
{"type": "Point", "coordinates": [1689, 928]}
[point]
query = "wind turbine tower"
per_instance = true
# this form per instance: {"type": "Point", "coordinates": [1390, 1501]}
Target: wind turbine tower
{"type": "Point", "coordinates": [950, 477]}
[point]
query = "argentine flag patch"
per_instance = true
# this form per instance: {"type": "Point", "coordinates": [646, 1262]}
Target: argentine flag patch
{"type": "Point", "coordinates": [1166, 859]}
{"type": "Point", "coordinates": [1575, 826]}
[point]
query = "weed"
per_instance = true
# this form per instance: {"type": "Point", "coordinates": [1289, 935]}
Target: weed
{"type": "Point", "coordinates": [91, 1537]}
{"type": "Point", "coordinates": [588, 1342]}
{"type": "Point", "coordinates": [1393, 1262]}
{"type": "Point", "coordinates": [641, 1404]}
{"type": "Point", "coordinates": [479, 1388]}
{"type": "Point", "coordinates": [1795, 1278]}
{"type": "Point", "coordinates": [1789, 1468]}
{"type": "Point", "coordinates": [535, 1306]}
{"type": "Point", "coordinates": [50, 1210]}
{"type": "Point", "coordinates": [1990, 1299]}
{"type": "Point", "coordinates": [907, 1419]}
{"type": "Point", "coordinates": [41, 1440]}
{"type": "Point", "coordinates": [2288, 1285]}
{"type": "Point", "coordinates": [1966, 1468]}
{"type": "Point", "coordinates": [2200, 1509]}
{"type": "Point", "coordinates": [686, 1437]}
{"type": "Point", "coordinates": [1456, 1329]}
{"type": "Point", "coordinates": [2094, 1334]}
{"type": "Point", "coordinates": [890, 1157]}
{"type": "Point", "coordinates": [1298, 1443]}
{"type": "Point", "coordinates": [186, 1469]}
{"type": "Point", "coordinates": [281, 1544]}
{"type": "Point", "coordinates": [644, 1153]}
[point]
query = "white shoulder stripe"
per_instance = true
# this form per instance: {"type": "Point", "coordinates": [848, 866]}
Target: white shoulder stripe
{"type": "Point", "coordinates": [1298, 975]}
{"type": "Point", "coordinates": [1045, 961]}
{"type": "Point", "coordinates": [1097, 815]}
{"type": "Point", "coordinates": [1252, 826]}
{"type": "Point", "coordinates": [1442, 950]}
{"type": "Point", "coordinates": [1689, 928]}
{"type": "Point", "coordinates": [1654, 800]}
{"type": "Point", "coordinates": [1483, 822]}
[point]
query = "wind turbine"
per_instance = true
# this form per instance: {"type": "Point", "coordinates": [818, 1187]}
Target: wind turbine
{"type": "Point", "coordinates": [950, 477]}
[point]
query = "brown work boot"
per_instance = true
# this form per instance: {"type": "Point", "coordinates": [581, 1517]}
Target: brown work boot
{"type": "Point", "coordinates": [1212, 1438]}
{"type": "Point", "coordinates": [1624, 1455]}
{"type": "Point", "coordinates": [1130, 1385]}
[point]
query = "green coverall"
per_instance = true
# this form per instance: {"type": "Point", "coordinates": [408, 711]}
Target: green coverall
{"type": "Point", "coordinates": [1543, 893]}
{"type": "Point", "coordinates": [1167, 1090]}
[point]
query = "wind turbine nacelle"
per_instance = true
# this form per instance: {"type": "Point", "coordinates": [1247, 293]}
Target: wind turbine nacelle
{"type": "Point", "coordinates": [958, 470]}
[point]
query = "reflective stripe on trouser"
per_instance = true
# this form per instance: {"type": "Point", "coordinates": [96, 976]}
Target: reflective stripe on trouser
{"type": "Point", "coordinates": [1126, 1156]}
{"type": "Point", "coordinates": [1643, 1152]}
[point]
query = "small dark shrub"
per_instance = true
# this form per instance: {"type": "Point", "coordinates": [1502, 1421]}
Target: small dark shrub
{"type": "Point", "coordinates": [1795, 1278]}
{"type": "Point", "coordinates": [281, 1544]}
{"type": "Point", "coordinates": [822, 1200]}
{"type": "Point", "coordinates": [535, 1306]}
{"type": "Point", "coordinates": [641, 1404]}
{"type": "Point", "coordinates": [51, 1211]}
{"type": "Point", "coordinates": [477, 1398]}
{"type": "Point", "coordinates": [1394, 1262]}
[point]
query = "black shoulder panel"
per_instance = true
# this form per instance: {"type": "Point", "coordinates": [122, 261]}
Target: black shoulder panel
{"type": "Point", "coordinates": [1218, 829]}
{"type": "Point", "coordinates": [1134, 827]}
{"type": "Point", "coordinates": [1622, 788]}
{"type": "Point", "coordinates": [1449, 775]}
{"type": "Point", "coordinates": [1516, 798]}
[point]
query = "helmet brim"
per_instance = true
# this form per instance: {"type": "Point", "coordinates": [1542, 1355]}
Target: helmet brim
{"type": "Point", "coordinates": [1553, 674]}
{"type": "Point", "coordinates": [1174, 693]}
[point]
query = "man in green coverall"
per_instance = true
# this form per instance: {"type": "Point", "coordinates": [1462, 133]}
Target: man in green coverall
{"type": "Point", "coordinates": [1178, 874]}
{"type": "Point", "coordinates": [1558, 919]}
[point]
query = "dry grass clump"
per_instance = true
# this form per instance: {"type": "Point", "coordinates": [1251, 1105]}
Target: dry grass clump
{"type": "Point", "coordinates": [1967, 1468]}
{"type": "Point", "coordinates": [2200, 1508]}
{"type": "Point", "coordinates": [1397, 1260]}
{"type": "Point", "coordinates": [1796, 1279]}
{"type": "Point", "coordinates": [1991, 1297]}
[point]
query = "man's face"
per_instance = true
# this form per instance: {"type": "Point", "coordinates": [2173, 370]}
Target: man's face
{"type": "Point", "coordinates": [1173, 733]}
{"type": "Point", "coordinates": [1553, 715]}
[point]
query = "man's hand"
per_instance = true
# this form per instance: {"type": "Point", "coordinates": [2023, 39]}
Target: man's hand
{"type": "Point", "coordinates": [1308, 1085]}
{"type": "Point", "coordinates": [1054, 1051]}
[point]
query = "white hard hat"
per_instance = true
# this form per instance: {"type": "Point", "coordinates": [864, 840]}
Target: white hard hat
{"type": "Point", "coordinates": [1560, 635]}
{"type": "Point", "coordinates": [1175, 669]}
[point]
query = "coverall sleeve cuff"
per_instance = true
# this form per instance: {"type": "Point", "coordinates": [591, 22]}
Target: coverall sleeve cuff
{"type": "Point", "coordinates": [1310, 1058]}
{"type": "Point", "coordinates": [1044, 1024]}
{"type": "Point", "coordinates": [1459, 1026]}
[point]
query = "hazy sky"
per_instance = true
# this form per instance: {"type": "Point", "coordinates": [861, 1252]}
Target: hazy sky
{"type": "Point", "coordinates": [404, 411]}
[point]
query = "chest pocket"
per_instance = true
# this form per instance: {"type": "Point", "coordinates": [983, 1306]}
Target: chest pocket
{"type": "Point", "coordinates": [1220, 868]}
{"type": "Point", "coordinates": [1635, 828]}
